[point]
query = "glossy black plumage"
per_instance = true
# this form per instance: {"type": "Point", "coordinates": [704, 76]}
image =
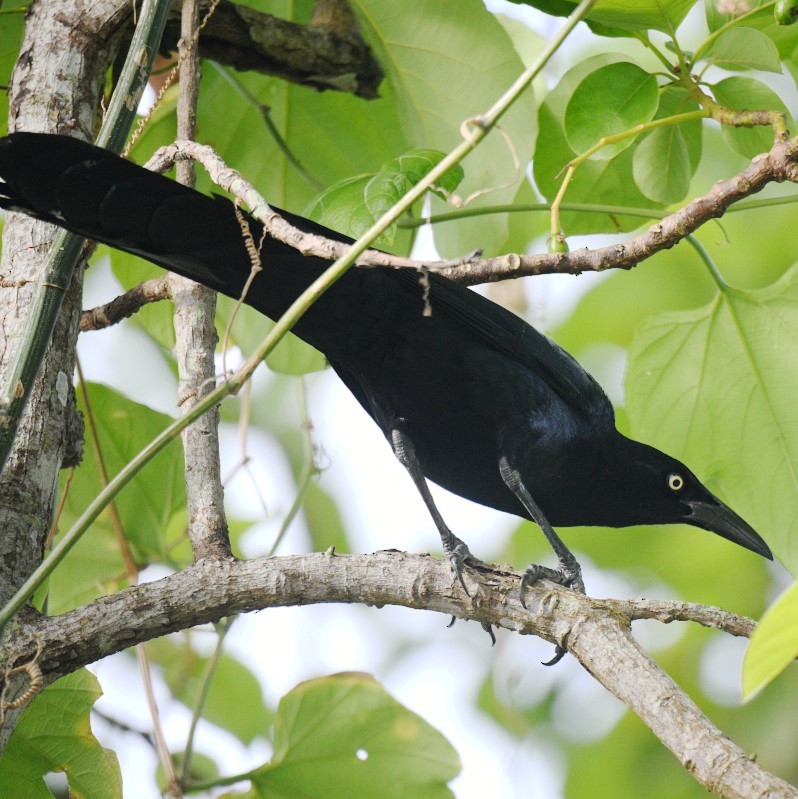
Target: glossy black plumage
{"type": "Point", "coordinates": [470, 396]}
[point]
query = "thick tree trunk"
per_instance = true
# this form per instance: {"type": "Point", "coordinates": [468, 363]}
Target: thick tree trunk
{"type": "Point", "coordinates": [56, 87]}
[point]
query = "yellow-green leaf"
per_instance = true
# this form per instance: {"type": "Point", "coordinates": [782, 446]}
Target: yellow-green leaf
{"type": "Point", "coordinates": [717, 387]}
{"type": "Point", "coordinates": [774, 644]}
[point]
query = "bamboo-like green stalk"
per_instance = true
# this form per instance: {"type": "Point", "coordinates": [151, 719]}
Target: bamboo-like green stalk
{"type": "Point", "coordinates": [57, 271]}
{"type": "Point", "coordinates": [287, 320]}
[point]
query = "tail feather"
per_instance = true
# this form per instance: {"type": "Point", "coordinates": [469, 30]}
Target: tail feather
{"type": "Point", "coordinates": [96, 194]}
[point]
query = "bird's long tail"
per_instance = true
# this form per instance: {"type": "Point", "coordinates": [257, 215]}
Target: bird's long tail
{"type": "Point", "coordinates": [95, 193]}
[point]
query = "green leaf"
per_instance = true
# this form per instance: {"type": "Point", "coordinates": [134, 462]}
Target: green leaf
{"type": "Point", "coordinates": [235, 699]}
{"type": "Point", "coordinates": [610, 100]}
{"type": "Point", "coordinates": [344, 735]}
{"type": "Point", "coordinates": [343, 207]}
{"type": "Point", "coordinates": [717, 387]}
{"type": "Point", "coordinates": [421, 46]}
{"type": "Point", "coordinates": [745, 48]}
{"type": "Point", "coordinates": [629, 15]}
{"type": "Point", "coordinates": [292, 356]}
{"type": "Point", "coordinates": [54, 735]}
{"type": "Point", "coordinates": [747, 94]}
{"type": "Point", "coordinates": [716, 19]}
{"type": "Point", "coordinates": [415, 165]}
{"type": "Point", "coordinates": [666, 159]}
{"type": "Point", "coordinates": [145, 507]}
{"type": "Point", "coordinates": [353, 205]}
{"type": "Point", "coordinates": [609, 182]}
{"type": "Point", "coordinates": [325, 526]}
{"type": "Point", "coordinates": [774, 644]}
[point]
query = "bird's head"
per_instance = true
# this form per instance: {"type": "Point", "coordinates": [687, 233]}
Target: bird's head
{"type": "Point", "coordinates": [662, 490]}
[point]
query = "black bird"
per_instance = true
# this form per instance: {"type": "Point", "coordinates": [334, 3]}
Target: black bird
{"type": "Point", "coordinates": [470, 397]}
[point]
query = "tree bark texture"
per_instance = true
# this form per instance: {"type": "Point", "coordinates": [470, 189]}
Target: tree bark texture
{"type": "Point", "coordinates": [596, 632]}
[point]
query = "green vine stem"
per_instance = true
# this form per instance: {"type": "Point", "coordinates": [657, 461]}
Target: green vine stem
{"type": "Point", "coordinates": [585, 208]}
{"type": "Point", "coordinates": [711, 266]}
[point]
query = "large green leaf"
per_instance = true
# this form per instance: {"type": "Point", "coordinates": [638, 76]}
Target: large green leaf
{"type": "Point", "coordinates": [774, 644]}
{"type": "Point", "coordinates": [597, 182]}
{"type": "Point", "coordinates": [436, 86]}
{"type": "Point", "coordinates": [145, 506]}
{"type": "Point", "coordinates": [54, 734]}
{"type": "Point", "coordinates": [717, 386]}
{"type": "Point", "coordinates": [666, 159]}
{"type": "Point", "coordinates": [627, 15]}
{"type": "Point", "coordinates": [344, 735]}
{"type": "Point", "coordinates": [611, 100]}
{"type": "Point", "coordinates": [745, 48]}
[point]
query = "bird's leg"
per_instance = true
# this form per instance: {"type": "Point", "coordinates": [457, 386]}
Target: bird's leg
{"type": "Point", "coordinates": [569, 571]}
{"type": "Point", "coordinates": [455, 549]}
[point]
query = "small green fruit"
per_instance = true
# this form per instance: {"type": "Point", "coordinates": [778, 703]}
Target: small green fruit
{"type": "Point", "coordinates": [557, 243]}
{"type": "Point", "coordinates": [786, 12]}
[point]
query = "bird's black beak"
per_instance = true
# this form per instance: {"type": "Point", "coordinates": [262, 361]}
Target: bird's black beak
{"type": "Point", "coordinates": [711, 514]}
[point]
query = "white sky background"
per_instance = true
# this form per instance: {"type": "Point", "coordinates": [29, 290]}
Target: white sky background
{"type": "Point", "coordinates": [440, 670]}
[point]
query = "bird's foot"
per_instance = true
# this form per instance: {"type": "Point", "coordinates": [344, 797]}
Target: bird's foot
{"type": "Point", "coordinates": [568, 574]}
{"type": "Point", "coordinates": [457, 552]}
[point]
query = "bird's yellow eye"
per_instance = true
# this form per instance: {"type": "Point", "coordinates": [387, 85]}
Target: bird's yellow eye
{"type": "Point", "coordinates": [675, 482]}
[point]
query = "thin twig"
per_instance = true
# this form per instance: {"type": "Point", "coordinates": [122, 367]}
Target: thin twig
{"type": "Point", "coordinates": [126, 304]}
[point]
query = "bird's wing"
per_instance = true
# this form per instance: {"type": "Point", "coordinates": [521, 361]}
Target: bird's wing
{"type": "Point", "coordinates": [516, 339]}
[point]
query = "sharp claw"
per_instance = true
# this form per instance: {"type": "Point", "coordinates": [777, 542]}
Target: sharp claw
{"type": "Point", "coordinates": [488, 628]}
{"type": "Point", "coordinates": [559, 654]}
{"type": "Point", "coordinates": [451, 623]}
{"type": "Point", "coordinates": [457, 557]}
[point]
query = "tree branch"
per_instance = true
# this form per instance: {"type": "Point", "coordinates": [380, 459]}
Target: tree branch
{"type": "Point", "coordinates": [320, 55]}
{"type": "Point", "coordinates": [196, 339]}
{"type": "Point", "coordinates": [668, 611]}
{"type": "Point", "coordinates": [126, 304]}
{"type": "Point", "coordinates": [776, 166]}
{"type": "Point", "coordinates": [596, 632]}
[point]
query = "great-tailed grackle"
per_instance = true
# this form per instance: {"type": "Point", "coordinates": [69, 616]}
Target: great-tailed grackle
{"type": "Point", "coordinates": [470, 397]}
